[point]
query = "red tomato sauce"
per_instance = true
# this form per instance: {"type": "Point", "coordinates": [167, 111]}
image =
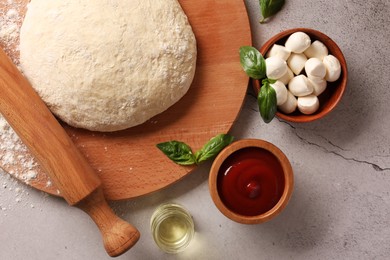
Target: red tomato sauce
{"type": "Point", "coordinates": [250, 181]}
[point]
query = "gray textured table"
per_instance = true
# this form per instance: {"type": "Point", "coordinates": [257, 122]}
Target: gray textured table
{"type": "Point", "coordinates": [341, 205]}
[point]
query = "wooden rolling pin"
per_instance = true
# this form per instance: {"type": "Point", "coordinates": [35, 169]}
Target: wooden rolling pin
{"type": "Point", "coordinates": [63, 162]}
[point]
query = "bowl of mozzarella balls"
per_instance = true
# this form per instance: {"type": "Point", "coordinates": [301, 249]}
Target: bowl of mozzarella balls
{"type": "Point", "coordinates": [310, 72]}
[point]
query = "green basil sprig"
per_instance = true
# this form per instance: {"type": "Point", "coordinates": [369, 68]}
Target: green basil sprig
{"type": "Point", "coordinates": [270, 8]}
{"type": "Point", "coordinates": [252, 62]}
{"type": "Point", "coordinates": [182, 154]}
{"type": "Point", "coordinates": [267, 100]}
{"type": "Point", "coordinates": [254, 65]}
{"type": "Point", "coordinates": [213, 147]}
{"type": "Point", "coordinates": [178, 152]}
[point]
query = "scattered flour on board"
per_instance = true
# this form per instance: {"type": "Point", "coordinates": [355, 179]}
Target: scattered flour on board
{"type": "Point", "coordinates": [10, 21]}
{"type": "Point", "coordinates": [12, 150]}
{"type": "Point", "coordinates": [13, 153]}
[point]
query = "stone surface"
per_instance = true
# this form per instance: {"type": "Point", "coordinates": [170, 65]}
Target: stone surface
{"type": "Point", "coordinates": [341, 204]}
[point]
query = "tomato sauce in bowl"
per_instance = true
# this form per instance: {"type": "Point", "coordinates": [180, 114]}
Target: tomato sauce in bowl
{"type": "Point", "coordinates": [251, 181]}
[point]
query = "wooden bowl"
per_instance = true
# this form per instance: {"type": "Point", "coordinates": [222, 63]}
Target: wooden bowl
{"type": "Point", "coordinates": [334, 91]}
{"type": "Point", "coordinates": [248, 192]}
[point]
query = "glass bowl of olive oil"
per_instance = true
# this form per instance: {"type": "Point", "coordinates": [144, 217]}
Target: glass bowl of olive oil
{"type": "Point", "coordinates": [172, 227]}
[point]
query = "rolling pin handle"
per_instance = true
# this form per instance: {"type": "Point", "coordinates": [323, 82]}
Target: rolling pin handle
{"type": "Point", "coordinates": [59, 157]}
{"type": "Point", "coordinates": [118, 235]}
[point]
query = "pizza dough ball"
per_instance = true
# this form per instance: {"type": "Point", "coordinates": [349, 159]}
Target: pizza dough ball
{"type": "Point", "coordinates": [108, 65]}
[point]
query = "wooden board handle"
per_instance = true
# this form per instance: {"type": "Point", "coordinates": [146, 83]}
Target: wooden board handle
{"type": "Point", "coordinates": [59, 157]}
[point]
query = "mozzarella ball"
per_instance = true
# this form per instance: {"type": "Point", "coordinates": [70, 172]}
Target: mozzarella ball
{"type": "Point", "coordinates": [315, 67]}
{"type": "Point", "coordinates": [290, 105]}
{"type": "Point", "coordinates": [275, 67]}
{"type": "Point", "coordinates": [281, 92]}
{"type": "Point", "coordinates": [285, 79]}
{"type": "Point", "coordinates": [316, 50]}
{"type": "Point", "coordinates": [296, 62]}
{"type": "Point", "coordinates": [298, 42]}
{"type": "Point", "coordinates": [299, 86]}
{"type": "Point", "coordinates": [278, 51]}
{"type": "Point", "coordinates": [308, 104]}
{"type": "Point", "coordinates": [333, 68]}
{"type": "Point", "coordinates": [319, 85]}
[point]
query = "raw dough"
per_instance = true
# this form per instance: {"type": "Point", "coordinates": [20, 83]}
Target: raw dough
{"type": "Point", "coordinates": [107, 65]}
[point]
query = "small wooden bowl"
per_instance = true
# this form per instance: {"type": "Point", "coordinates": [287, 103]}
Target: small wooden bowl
{"type": "Point", "coordinates": [225, 156]}
{"type": "Point", "coordinates": [334, 91]}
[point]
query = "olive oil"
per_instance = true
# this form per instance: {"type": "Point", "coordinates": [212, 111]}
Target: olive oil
{"type": "Point", "coordinates": [172, 227]}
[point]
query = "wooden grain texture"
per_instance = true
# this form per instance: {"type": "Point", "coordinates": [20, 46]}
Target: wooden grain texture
{"type": "Point", "coordinates": [43, 135]}
{"type": "Point", "coordinates": [128, 162]}
{"type": "Point", "coordinates": [118, 235]}
{"type": "Point", "coordinates": [62, 161]}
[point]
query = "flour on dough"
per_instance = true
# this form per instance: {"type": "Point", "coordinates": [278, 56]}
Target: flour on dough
{"type": "Point", "coordinates": [107, 65]}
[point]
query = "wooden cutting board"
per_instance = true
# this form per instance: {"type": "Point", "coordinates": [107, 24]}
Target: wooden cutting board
{"type": "Point", "coordinates": [128, 162]}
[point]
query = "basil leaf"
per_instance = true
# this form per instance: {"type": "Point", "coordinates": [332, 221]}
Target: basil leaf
{"type": "Point", "coordinates": [270, 8]}
{"type": "Point", "coordinates": [178, 152]}
{"type": "Point", "coordinates": [252, 62]}
{"type": "Point", "coordinates": [267, 101]}
{"type": "Point", "coordinates": [213, 147]}
{"type": "Point", "coordinates": [181, 153]}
